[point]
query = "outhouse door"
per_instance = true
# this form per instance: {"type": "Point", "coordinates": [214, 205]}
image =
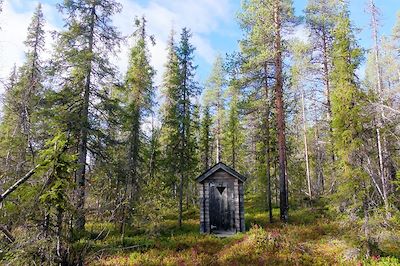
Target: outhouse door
{"type": "Point", "coordinates": [221, 206]}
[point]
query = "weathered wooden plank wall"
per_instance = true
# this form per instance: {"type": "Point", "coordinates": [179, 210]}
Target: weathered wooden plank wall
{"type": "Point", "coordinates": [241, 207]}
{"type": "Point", "coordinates": [234, 201]}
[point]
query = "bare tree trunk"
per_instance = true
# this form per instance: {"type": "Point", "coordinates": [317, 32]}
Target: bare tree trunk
{"type": "Point", "coordinates": [276, 181]}
{"type": "Point", "coordinates": [318, 167]}
{"type": "Point", "coordinates": [188, 190]}
{"type": "Point", "coordinates": [306, 145]}
{"type": "Point", "coordinates": [234, 141]}
{"type": "Point", "coordinates": [218, 134]}
{"type": "Point", "coordinates": [268, 165]}
{"type": "Point", "coordinates": [381, 151]}
{"type": "Point", "coordinates": [326, 74]}
{"type": "Point", "coordinates": [280, 113]}
{"type": "Point", "coordinates": [134, 156]}
{"type": "Point", "coordinates": [267, 145]}
{"type": "Point", "coordinates": [59, 247]}
{"type": "Point", "coordinates": [218, 144]}
{"type": "Point", "coordinates": [366, 227]}
{"type": "Point", "coordinates": [180, 199]}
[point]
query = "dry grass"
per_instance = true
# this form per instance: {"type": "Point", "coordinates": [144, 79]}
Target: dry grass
{"type": "Point", "coordinates": [310, 238]}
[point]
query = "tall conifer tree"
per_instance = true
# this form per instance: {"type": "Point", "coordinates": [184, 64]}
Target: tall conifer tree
{"type": "Point", "coordinates": [81, 67]}
{"type": "Point", "coordinates": [170, 137]}
{"type": "Point", "coordinates": [139, 101]}
{"type": "Point", "coordinates": [21, 101]}
{"type": "Point", "coordinates": [188, 89]}
{"type": "Point", "coordinates": [215, 94]}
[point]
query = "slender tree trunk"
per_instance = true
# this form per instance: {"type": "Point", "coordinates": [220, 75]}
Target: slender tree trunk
{"type": "Point", "coordinates": [218, 135]}
{"type": "Point", "coordinates": [306, 145]}
{"type": "Point", "coordinates": [233, 144]}
{"type": "Point", "coordinates": [366, 227]}
{"type": "Point", "coordinates": [134, 155]}
{"type": "Point", "coordinates": [207, 153]}
{"type": "Point", "coordinates": [326, 74]}
{"type": "Point", "coordinates": [59, 246]}
{"type": "Point", "coordinates": [82, 146]}
{"type": "Point", "coordinates": [218, 144]}
{"type": "Point", "coordinates": [318, 167]}
{"type": "Point", "coordinates": [33, 83]}
{"type": "Point", "coordinates": [180, 199]}
{"type": "Point", "coordinates": [280, 113]}
{"type": "Point", "coordinates": [327, 84]}
{"type": "Point", "coordinates": [381, 151]}
{"type": "Point", "coordinates": [183, 144]}
{"type": "Point", "coordinates": [267, 145]}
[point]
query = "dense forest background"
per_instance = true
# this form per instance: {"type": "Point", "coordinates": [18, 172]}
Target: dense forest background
{"type": "Point", "coordinates": [81, 148]}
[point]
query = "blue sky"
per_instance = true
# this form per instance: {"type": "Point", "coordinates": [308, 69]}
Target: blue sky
{"type": "Point", "coordinates": [213, 22]}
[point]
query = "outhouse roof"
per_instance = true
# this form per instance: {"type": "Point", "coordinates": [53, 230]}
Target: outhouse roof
{"type": "Point", "coordinates": [223, 167]}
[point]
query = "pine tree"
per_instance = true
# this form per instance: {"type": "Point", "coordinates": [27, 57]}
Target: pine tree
{"type": "Point", "coordinates": [215, 93]}
{"type": "Point", "coordinates": [233, 132]}
{"type": "Point", "coordinates": [257, 72]}
{"type": "Point", "coordinates": [264, 45]}
{"type": "Point", "coordinates": [320, 19]}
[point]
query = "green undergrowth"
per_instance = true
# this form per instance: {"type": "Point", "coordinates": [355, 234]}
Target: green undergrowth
{"type": "Point", "coordinates": [311, 237]}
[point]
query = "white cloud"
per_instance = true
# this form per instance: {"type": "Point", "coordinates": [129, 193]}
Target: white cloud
{"type": "Point", "coordinates": [13, 33]}
{"type": "Point", "coordinates": [203, 17]}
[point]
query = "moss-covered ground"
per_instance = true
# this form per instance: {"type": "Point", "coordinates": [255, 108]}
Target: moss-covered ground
{"type": "Point", "coordinates": [311, 237]}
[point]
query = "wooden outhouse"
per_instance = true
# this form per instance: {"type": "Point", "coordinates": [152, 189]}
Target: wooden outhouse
{"type": "Point", "coordinates": [221, 199]}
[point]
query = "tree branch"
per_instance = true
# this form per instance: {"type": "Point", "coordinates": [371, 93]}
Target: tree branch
{"type": "Point", "coordinates": [19, 182]}
{"type": "Point", "coordinates": [7, 233]}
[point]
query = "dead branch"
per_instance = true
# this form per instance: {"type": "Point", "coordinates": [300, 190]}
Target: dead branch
{"type": "Point", "coordinates": [19, 182]}
{"type": "Point", "coordinates": [7, 233]}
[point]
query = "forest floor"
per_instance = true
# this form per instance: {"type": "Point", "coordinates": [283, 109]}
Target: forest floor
{"type": "Point", "coordinates": [309, 238]}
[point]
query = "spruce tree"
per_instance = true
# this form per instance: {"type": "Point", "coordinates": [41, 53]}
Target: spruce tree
{"type": "Point", "coordinates": [139, 94]}
{"type": "Point", "coordinates": [81, 68]}
{"type": "Point", "coordinates": [187, 90]}
{"type": "Point", "coordinates": [347, 104]}
{"type": "Point", "coordinates": [22, 98]}
{"type": "Point", "coordinates": [170, 137]}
